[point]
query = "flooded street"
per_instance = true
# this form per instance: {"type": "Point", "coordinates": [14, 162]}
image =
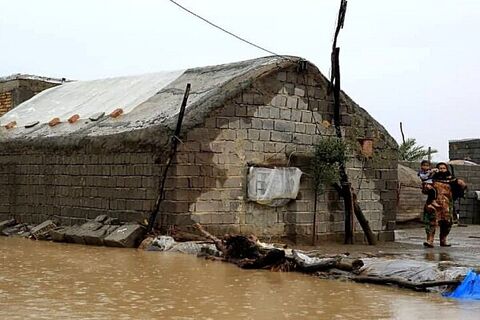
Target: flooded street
{"type": "Point", "coordinates": [43, 280]}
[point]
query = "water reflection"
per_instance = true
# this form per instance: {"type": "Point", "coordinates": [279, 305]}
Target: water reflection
{"type": "Point", "coordinates": [437, 256]}
{"type": "Point", "coordinates": [60, 281]}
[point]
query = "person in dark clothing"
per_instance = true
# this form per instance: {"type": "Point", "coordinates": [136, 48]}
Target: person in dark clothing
{"type": "Point", "coordinates": [444, 182]}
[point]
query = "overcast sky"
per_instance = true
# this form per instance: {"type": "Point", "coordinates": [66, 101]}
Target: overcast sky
{"type": "Point", "coordinates": [412, 61]}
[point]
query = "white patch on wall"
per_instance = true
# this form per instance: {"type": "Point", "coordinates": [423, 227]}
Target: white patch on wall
{"type": "Point", "coordinates": [273, 187]}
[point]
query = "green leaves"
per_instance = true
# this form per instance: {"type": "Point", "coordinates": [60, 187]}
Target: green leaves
{"type": "Point", "coordinates": [329, 154]}
{"type": "Point", "coordinates": [410, 151]}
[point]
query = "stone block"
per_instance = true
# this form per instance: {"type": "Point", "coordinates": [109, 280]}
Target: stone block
{"type": "Point", "coordinates": [263, 112]}
{"type": "Point", "coordinates": [285, 114]}
{"type": "Point", "coordinates": [264, 135]}
{"type": "Point", "coordinates": [57, 234]}
{"type": "Point", "coordinates": [256, 123]}
{"type": "Point", "coordinates": [96, 237]}
{"type": "Point", "coordinates": [267, 124]}
{"type": "Point", "coordinates": [279, 101]}
{"type": "Point", "coordinates": [7, 224]}
{"type": "Point", "coordinates": [303, 138]}
{"type": "Point", "coordinates": [299, 91]}
{"type": "Point", "coordinates": [126, 236]}
{"type": "Point", "coordinates": [223, 123]}
{"type": "Point", "coordinates": [296, 115]}
{"type": "Point", "coordinates": [40, 231]}
{"type": "Point", "coordinates": [274, 113]}
{"type": "Point", "coordinates": [282, 76]}
{"type": "Point", "coordinates": [253, 134]}
{"type": "Point", "coordinates": [302, 104]}
{"type": "Point", "coordinates": [241, 111]}
{"type": "Point", "coordinates": [281, 136]}
{"type": "Point", "coordinates": [284, 126]}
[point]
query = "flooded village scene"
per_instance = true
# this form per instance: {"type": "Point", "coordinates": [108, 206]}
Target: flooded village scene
{"type": "Point", "coordinates": [252, 160]}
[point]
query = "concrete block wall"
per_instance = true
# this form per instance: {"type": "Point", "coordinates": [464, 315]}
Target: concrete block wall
{"type": "Point", "coordinates": [465, 149]}
{"type": "Point", "coordinates": [272, 123]}
{"type": "Point", "coordinates": [76, 186]}
{"type": "Point", "coordinates": [469, 208]}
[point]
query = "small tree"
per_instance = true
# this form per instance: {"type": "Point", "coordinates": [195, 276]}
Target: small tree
{"type": "Point", "coordinates": [410, 151]}
{"type": "Point", "coordinates": [329, 153]}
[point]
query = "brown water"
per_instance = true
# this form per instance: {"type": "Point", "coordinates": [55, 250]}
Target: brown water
{"type": "Point", "coordinates": [42, 280]}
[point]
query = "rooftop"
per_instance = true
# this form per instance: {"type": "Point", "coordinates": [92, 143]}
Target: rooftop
{"type": "Point", "coordinates": [22, 76]}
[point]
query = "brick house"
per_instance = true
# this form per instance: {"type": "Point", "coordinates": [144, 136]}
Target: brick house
{"type": "Point", "coordinates": [263, 113]}
{"type": "Point", "coordinates": [17, 88]}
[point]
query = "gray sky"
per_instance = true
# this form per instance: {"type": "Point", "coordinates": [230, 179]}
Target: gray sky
{"type": "Point", "coordinates": [411, 61]}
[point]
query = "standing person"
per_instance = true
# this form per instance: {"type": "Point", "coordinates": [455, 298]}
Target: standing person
{"type": "Point", "coordinates": [444, 182]}
{"type": "Point", "coordinates": [441, 215]}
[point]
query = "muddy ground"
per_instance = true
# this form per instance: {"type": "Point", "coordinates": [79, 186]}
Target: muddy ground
{"type": "Point", "coordinates": [465, 249]}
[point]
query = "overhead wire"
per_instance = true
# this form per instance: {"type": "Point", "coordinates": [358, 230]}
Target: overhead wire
{"type": "Point", "coordinates": [228, 32]}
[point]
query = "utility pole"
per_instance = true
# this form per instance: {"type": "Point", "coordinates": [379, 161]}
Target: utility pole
{"type": "Point", "coordinates": [346, 187]}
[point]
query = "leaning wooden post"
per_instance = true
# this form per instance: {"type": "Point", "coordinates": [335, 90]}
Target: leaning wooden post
{"type": "Point", "coordinates": [314, 227]}
{"type": "Point", "coordinates": [171, 156]}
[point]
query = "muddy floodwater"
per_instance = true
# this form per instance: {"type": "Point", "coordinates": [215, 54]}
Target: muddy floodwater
{"type": "Point", "coordinates": [42, 280]}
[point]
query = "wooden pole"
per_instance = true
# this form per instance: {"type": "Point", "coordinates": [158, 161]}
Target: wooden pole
{"type": "Point", "coordinates": [345, 188]}
{"type": "Point", "coordinates": [171, 156]}
{"type": "Point", "coordinates": [401, 131]}
{"type": "Point", "coordinates": [314, 229]}
{"type": "Point", "coordinates": [335, 82]}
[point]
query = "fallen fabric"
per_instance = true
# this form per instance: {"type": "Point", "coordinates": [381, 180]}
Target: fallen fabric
{"type": "Point", "coordinates": [468, 289]}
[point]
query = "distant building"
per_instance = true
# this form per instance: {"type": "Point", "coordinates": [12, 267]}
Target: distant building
{"type": "Point", "coordinates": [18, 88]}
{"type": "Point", "coordinates": [466, 149]}
{"type": "Point", "coordinates": [467, 152]}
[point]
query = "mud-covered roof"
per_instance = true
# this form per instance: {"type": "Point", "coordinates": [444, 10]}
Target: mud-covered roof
{"type": "Point", "coordinates": [147, 100]}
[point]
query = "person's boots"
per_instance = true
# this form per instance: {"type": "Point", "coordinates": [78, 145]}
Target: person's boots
{"type": "Point", "coordinates": [430, 238]}
{"type": "Point", "coordinates": [444, 231]}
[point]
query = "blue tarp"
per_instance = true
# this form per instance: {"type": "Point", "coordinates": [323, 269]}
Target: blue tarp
{"type": "Point", "coordinates": [468, 289]}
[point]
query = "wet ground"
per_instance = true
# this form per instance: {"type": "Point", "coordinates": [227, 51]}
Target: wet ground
{"type": "Point", "coordinates": [45, 280]}
{"type": "Point", "coordinates": [465, 241]}
{"type": "Point", "coordinates": [465, 249]}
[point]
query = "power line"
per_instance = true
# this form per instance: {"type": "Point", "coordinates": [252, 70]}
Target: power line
{"type": "Point", "coordinates": [226, 31]}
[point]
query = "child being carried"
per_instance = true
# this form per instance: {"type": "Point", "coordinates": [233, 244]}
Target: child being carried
{"type": "Point", "coordinates": [426, 173]}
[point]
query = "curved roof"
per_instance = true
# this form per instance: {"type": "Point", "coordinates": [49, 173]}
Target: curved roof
{"type": "Point", "coordinates": [147, 100]}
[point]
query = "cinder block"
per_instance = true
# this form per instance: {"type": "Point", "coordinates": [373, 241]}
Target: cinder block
{"type": "Point", "coordinates": [253, 134]}
{"type": "Point", "coordinates": [263, 112]}
{"type": "Point", "coordinates": [292, 102]}
{"type": "Point", "coordinates": [241, 111]}
{"type": "Point", "coordinates": [299, 91]}
{"type": "Point", "coordinates": [281, 136]}
{"type": "Point", "coordinates": [265, 135]}
{"type": "Point", "coordinates": [274, 113]}
{"type": "Point", "coordinates": [285, 126]}
{"type": "Point", "coordinates": [282, 76]}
